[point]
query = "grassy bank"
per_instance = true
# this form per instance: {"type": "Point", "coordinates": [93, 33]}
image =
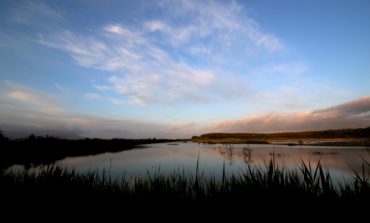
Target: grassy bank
{"type": "Point", "coordinates": [269, 189]}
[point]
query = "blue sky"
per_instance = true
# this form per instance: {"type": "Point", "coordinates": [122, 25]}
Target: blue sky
{"type": "Point", "coordinates": [179, 68]}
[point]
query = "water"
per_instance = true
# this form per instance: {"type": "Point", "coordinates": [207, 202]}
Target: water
{"type": "Point", "coordinates": [169, 157]}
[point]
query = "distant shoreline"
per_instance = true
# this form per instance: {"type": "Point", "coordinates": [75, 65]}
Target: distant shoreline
{"type": "Point", "coordinates": [291, 142]}
{"type": "Point", "coordinates": [340, 137]}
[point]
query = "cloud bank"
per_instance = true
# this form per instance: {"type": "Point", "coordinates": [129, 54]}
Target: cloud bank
{"type": "Point", "coordinates": [353, 114]}
{"type": "Point", "coordinates": [24, 111]}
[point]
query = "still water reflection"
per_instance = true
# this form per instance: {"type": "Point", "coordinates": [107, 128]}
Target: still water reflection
{"type": "Point", "coordinates": [168, 157]}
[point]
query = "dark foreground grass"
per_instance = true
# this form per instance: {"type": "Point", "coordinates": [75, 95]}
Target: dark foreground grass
{"type": "Point", "coordinates": [272, 190]}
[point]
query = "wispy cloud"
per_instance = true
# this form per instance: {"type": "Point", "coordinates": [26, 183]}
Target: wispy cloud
{"type": "Point", "coordinates": [217, 22]}
{"type": "Point", "coordinates": [175, 35]}
{"type": "Point", "coordinates": [25, 99]}
{"type": "Point", "coordinates": [353, 114]}
{"type": "Point", "coordinates": [62, 88]}
{"type": "Point", "coordinates": [148, 70]}
{"type": "Point", "coordinates": [95, 96]}
{"type": "Point", "coordinates": [143, 71]}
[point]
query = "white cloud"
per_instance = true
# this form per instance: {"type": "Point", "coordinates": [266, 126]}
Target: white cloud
{"type": "Point", "coordinates": [175, 35]}
{"type": "Point", "coordinates": [157, 25]}
{"type": "Point", "coordinates": [117, 29]}
{"type": "Point", "coordinates": [143, 71]}
{"type": "Point", "coordinates": [158, 62]}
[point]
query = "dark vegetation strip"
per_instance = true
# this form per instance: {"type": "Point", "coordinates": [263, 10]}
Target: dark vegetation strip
{"type": "Point", "coordinates": [269, 189]}
{"type": "Point", "coordinates": [36, 150]}
{"type": "Point", "coordinates": [326, 134]}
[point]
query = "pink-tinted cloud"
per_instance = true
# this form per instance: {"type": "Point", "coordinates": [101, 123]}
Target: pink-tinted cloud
{"type": "Point", "coordinates": [353, 114]}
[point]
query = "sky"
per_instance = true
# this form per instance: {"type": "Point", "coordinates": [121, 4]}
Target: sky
{"type": "Point", "coordinates": [138, 69]}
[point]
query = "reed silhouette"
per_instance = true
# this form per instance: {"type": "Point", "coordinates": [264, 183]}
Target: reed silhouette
{"type": "Point", "coordinates": [270, 189]}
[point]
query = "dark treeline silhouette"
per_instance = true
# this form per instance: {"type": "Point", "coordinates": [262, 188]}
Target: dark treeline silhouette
{"type": "Point", "coordinates": [360, 133]}
{"type": "Point", "coordinates": [36, 150]}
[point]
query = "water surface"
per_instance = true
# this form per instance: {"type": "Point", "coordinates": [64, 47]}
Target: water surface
{"type": "Point", "coordinates": [166, 158]}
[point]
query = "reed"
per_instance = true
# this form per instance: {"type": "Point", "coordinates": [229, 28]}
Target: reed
{"type": "Point", "coordinates": [267, 187]}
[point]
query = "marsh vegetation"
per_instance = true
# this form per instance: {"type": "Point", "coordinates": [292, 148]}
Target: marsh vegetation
{"type": "Point", "coordinates": [263, 184]}
{"type": "Point", "coordinates": [269, 187]}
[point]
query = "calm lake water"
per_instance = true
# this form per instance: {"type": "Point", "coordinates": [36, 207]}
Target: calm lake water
{"type": "Point", "coordinates": [169, 157]}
